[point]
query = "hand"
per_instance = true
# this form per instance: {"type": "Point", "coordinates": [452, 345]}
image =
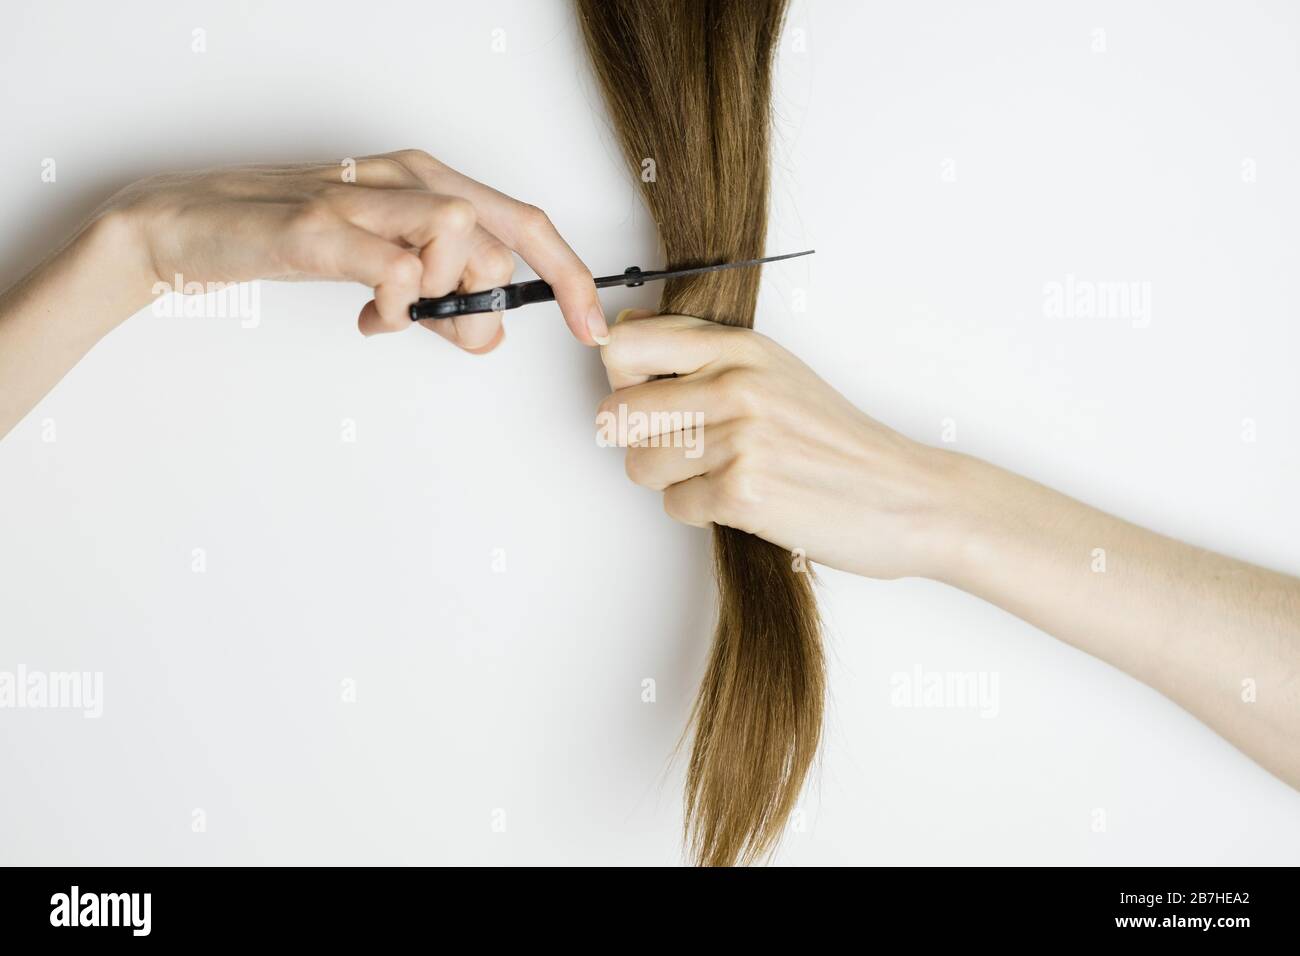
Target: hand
{"type": "Point", "coordinates": [407, 226]}
{"type": "Point", "coordinates": [781, 454]}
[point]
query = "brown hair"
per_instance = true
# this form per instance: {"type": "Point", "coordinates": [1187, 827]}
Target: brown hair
{"type": "Point", "coordinates": [688, 83]}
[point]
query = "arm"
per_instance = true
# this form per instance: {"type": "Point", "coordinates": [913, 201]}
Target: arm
{"type": "Point", "coordinates": [54, 315]}
{"type": "Point", "coordinates": [784, 456]}
{"type": "Point", "coordinates": [1192, 624]}
{"type": "Point", "coordinates": [402, 223]}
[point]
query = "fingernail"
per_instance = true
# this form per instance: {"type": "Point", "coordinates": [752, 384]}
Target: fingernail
{"type": "Point", "coordinates": [622, 315]}
{"type": "Point", "coordinates": [596, 324]}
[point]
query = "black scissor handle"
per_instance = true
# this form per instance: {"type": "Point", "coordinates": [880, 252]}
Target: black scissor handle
{"type": "Point", "coordinates": [510, 296]}
{"type": "Point", "coordinates": [490, 300]}
{"type": "Point", "coordinates": [447, 306]}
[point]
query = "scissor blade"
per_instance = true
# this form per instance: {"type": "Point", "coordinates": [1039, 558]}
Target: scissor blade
{"type": "Point", "coordinates": [698, 270]}
{"type": "Point", "coordinates": [636, 277]}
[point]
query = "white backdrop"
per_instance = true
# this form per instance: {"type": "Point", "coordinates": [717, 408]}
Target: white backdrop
{"type": "Point", "coordinates": [483, 577]}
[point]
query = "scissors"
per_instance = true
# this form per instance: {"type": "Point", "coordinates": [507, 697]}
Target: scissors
{"type": "Point", "coordinates": [515, 294]}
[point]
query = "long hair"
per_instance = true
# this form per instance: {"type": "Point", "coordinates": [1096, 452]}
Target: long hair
{"type": "Point", "coordinates": [688, 85]}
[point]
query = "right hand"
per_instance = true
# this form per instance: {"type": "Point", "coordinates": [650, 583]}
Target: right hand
{"type": "Point", "coordinates": [407, 226]}
{"type": "Point", "coordinates": [734, 430]}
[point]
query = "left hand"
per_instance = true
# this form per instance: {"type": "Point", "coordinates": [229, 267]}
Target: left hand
{"type": "Point", "coordinates": [782, 455]}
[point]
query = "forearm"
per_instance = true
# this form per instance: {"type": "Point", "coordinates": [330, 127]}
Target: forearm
{"type": "Point", "coordinates": [1219, 637]}
{"type": "Point", "coordinates": [786, 458]}
{"type": "Point", "coordinates": [52, 317]}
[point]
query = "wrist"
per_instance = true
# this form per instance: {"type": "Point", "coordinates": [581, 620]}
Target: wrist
{"type": "Point", "coordinates": [955, 514]}
{"type": "Point", "coordinates": [112, 255]}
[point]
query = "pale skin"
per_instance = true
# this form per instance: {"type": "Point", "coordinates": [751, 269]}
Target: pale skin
{"type": "Point", "coordinates": [789, 459]}
{"type": "Point", "coordinates": [784, 456]}
{"type": "Point", "coordinates": [402, 223]}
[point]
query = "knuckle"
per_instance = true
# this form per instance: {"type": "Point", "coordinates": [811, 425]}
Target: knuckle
{"type": "Point", "coordinates": [745, 439]}
{"type": "Point", "coordinates": [456, 214]}
{"type": "Point", "coordinates": [498, 261]}
{"type": "Point", "coordinates": [405, 269]}
{"type": "Point", "coordinates": [741, 389]}
{"type": "Point", "coordinates": [386, 170]}
{"type": "Point", "coordinates": [409, 156]}
{"type": "Point", "coordinates": [533, 221]}
{"type": "Point", "coordinates": [736, 494]}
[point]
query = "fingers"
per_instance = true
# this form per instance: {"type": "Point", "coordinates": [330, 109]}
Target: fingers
{"type": "Point", "coordinates": [364, 234]}
{"type": "Point", "coordinates": [698, 372]}
{"type": "Point", "coordinates": [528, 231]}
{"type": "Point", "coordinates": [700, 471]}
{"type": "Point", "coordinates": [708, 474]}
{"type": "Point", "coordinates": [445, 257]}
{"type": "Point", "coordinates": [690, 502]}
{"type": "Point", "coordinates": [346, 251]}
{"type": "Point", "coordinates": [443, 228]}
{"type": "Point", "coordinates": [696, 436]}
{"type": "Point", "coordinates": [670, 459]}
{"type": "Point", "coordinates": [446, 223]}
{"type": "Point", "coordinates": [641, 348]}
{"type": "Point", "coordinates": [490, 266]}
{"type": "Point", "coordinates": [455, 253]}
{"type": "Point", "coordinates": [618, 378]}
{"type": "Point", "coordinates": [727, 496]}
{"type": "Point", "coordinates": [538, 243]}
{"type": "Point", "coordinates": [664, 406]}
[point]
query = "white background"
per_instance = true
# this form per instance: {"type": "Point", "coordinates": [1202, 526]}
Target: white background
{"type": "Point", "coordinates": [946, 160]}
